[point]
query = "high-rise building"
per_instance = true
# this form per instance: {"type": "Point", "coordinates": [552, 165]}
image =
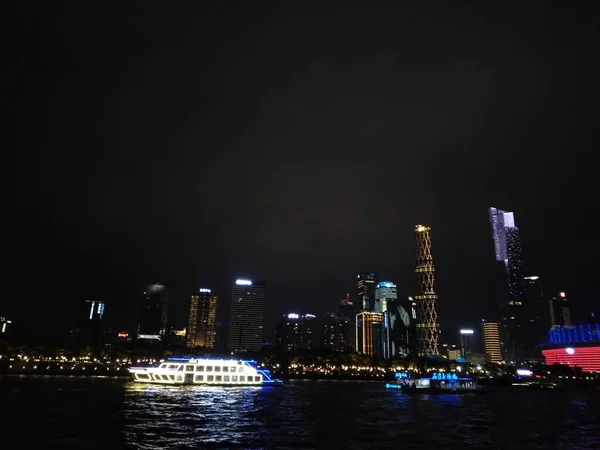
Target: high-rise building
{"type": "Point", "coordinates": [366, 291]}
{"type": "Point", "coordinates": [507, 246]}
{"type": "Point", "coordinates": [385, 291]}
{"type": "Point", "coordinates": [247, 315]}
{"type": "Point", "coordinates": [466, 342]}
{"type": "Point", "coordinates": [222, 337]}
{"type": "Point", "coordinates": [201, 323]}
{"type": "Point", "coordinates": [295, 332]}
{"type": "Point", "coordinates": [490, 330]}
{"type": "Point", "coordinates": [346, 307]}
{"type": "Point", "coordinates": [94, 310]}
{"type": "Point", "coordinates": [514, 322]}
{"type": "Point", "coordinates": [428, 325]}
{"type": "Point", "coordinates": [560, 311]}
{"type": "Point", "coordinates": [153, 312]}
{"type": "Point", "coordinates": [90, 325]}
{"type": "Point", "coordinates": [536, 321]}
{"type": "Point", "coordinates": [337, 333]}
{"type": "Point", "coordinates": [401, 316]}
{"type": "Point", "coordinates": [372, 334]}
{"type": "Point", "coordinates": [4, 325]}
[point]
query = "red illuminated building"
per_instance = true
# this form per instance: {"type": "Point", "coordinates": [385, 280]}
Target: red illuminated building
{"type": "Point", "coordinates": [577, 346]}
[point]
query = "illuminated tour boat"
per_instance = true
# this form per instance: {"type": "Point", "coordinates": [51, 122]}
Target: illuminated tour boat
{"type": "Point", "coordinates": [437, 382]}
{"type": "Point", "coordinates": [224, 372]}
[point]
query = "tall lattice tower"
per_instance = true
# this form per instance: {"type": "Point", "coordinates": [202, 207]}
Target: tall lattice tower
{"type": "Point", "coordinates": [428, 324]}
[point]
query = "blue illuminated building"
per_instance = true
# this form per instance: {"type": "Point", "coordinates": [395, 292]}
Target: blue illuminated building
{"type": "Point", "coordinates": [580, 334]}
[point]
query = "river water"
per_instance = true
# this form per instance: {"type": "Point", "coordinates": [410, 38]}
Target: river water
{"type": "Point", "coordinates": [97, 413]}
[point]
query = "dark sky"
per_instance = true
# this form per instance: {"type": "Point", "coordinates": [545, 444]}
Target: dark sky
{"type": "Point", "coordinates": [298, 145]}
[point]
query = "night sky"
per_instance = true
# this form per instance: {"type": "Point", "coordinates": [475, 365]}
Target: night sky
{"type": "Point", "coordinates": [298, 145]}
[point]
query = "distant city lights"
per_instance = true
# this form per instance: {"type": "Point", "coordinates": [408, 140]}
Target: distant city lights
{"type": "Point", "coordinates": [241, 282]}
{"type": "Point", "coordinates": [293, 316]}
{"type": "Point", "coordinates": [204, 290]}
{"type": "Point", "coordinates": [466, 331]}
{"type": "Point", "coordinates": [570, 351]}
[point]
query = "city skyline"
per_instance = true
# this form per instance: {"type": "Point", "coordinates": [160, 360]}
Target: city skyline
{"type": "Point", "coordinates": [165, 154]}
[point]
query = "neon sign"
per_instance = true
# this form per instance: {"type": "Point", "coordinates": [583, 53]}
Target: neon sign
{"type": "Point", "coordinates": [444, 376]}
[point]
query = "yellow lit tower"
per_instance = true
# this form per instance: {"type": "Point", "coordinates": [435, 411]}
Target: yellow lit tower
{"type": "Point", "coordinates": [201, 325]}
{"type": "Point", "coordinates": [428, 324]}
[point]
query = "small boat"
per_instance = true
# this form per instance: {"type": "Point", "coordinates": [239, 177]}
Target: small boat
{"type": "Point", "coordinates": [435, 383]}
{"type": "Point", "coordinates": [538, 384]}
{"type": "Point", "coordinates": [223, 372]}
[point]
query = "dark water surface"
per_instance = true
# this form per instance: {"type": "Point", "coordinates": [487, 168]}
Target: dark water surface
{"type": "Point", "coordinates": [77, 413]}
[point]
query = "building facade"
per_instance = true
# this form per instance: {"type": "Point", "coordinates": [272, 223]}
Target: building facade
{"type": "Point", "coordinates": [200, 331]}
{"type": "Point", "coordinates": [372, 334]}
{"type": "Point", "coordinates": [366, 292]}
{"type": "Point", "coordinates": [338, 333]}
{"type": "Point", "coordinates": [247, 316]}
{"type": "Point", "coordinates": [466, 341]}
{"type": "Point", "coordinates": [490, 331]}
{"type": "Point", "coordinates": [154, 305]}
{"type": "Point", "coordinates": [295, 332]}
{"type": "Point", "coordinates": [560, 311]}
{"type": "Point", "coordinates": [428, 325]}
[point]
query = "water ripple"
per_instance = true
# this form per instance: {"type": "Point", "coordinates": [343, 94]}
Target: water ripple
{"type": "Point", "coordinates": [100, 414]}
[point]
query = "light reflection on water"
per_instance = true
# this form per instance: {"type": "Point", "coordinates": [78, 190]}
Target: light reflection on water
{"type": "Point", "coordinates": [88, 413]}
{"type": "Point", "coordinates": [353, 416]}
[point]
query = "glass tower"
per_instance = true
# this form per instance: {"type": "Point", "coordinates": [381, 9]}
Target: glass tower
{"type": "Point", "coordinates": [247, 315]}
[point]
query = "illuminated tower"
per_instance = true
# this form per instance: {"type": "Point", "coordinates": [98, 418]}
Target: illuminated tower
{"type": "Point", "coordinates": [490, 331]}
{"type": "Point", "coordinates": [247, 311]}
{"type": "Point", "coordinates": [428, 326]}
{"type": "Point", "coordinates": [201, 325]}
{"type": "Point", "coordinates": [507, 245]}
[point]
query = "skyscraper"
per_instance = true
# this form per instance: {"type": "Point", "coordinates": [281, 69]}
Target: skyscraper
{"type": "Point", "coordinates": [91, 325]}
{"type": "Point", "coordinates": [94, 310]}
{"type": "Point", "coordinates": [247, 314]}
{"type": "Point", "coordinates": [560, 311]}
{"type": "Point", "coordinates": [201, 323]}
{"type": "Point", "coordinates": [295, 332]}
{"type": "Point", "coordinates": [338, 333]}
{"type": "Point", "coordinates": [346, 307]}
{"type": "Point", "coordinates": [465, 336]}
{"type": "Point", "coordinates": [428, 326]}
{"type": "Point", "coordinates": [153, 312]}
{"type": "Point", "coordinates": [490, 330]}
{"type": "Point", "coordinates": [372, 334]}
{"type": "Point", "coordinates": [366, 291]}
{"type": "Point", "coordinates": [507, 245]}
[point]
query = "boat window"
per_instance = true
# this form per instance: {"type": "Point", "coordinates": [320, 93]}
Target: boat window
{"type": "Point", "coordinates": [210, 378]}
{"type": "Point", "coordinates": [209, 368]}
{"type": "Point", "coordinates": [217, 368]}
{"type": "Point", "coordinates": [242, 378]}
{"type": "Point", "coordinates": [199, 368]}
{"type": "Point", "coordinates": [218, 378]}
{"type": "Point", "coordinates": [240, 369]}
{"type": "Point", "coordinates": [257, 378]}
{"type": "Point", "coordinates": [225, 368]}
{"type": "Point", "coordinates": [180, 369]}
{"type": "Point", "coordinates": [199, 377]}
{"type": "Point", "coordinates": [234, 378]}
{"type": "Point", "coordinates": [162, 366]}
{"type": "Point", "coordinates": [189, 368]}
{"type": "Point", "coordinates": [226, 378]}
{"type": "Point", "coordinates": [171, 366]}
